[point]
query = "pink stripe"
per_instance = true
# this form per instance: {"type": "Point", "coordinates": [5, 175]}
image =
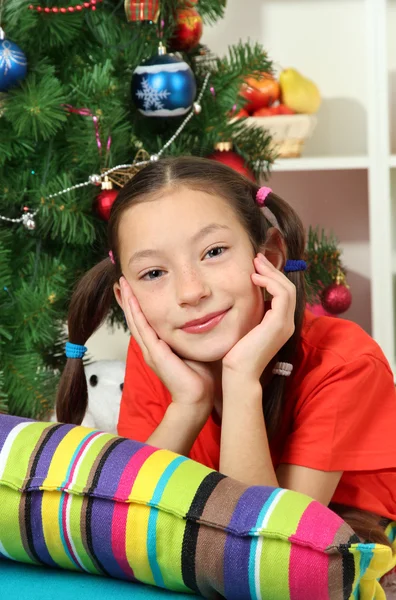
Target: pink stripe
{"type": "Point", "coordinates": [120, 513]}
{"type": "Point", "coordinates": [317, 528]}
{"type": "Point", "coordinates": [118, 538]}
{"type": "Point", "coordinates": [85, 444]}
{"type": "Point", "coordinates": [130, 472]}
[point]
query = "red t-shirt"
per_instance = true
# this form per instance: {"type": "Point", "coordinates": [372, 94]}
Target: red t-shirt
{"type": "Point", "coordinates": [339, 415]}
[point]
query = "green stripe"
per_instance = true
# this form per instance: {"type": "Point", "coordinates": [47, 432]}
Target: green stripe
{"type": "Point", "coordinates": [75, 528]}
{"type": "Point", "coordinates": [169, 550]}
{"type": "Point", "coordinates": [285, 518]}
{"type": "Point", "coordinates": [16, 470]}
{"type": "Point", "coordinates": [178, 494]}
{"type": "Point", "coordinates": [10, 534]}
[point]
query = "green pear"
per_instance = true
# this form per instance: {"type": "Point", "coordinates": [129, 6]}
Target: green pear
{"type": "Point", "coordinates": [299, 93]}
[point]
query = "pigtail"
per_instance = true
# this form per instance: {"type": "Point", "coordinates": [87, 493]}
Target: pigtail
{"type": "Point", "coordinates": [88, 309]}
{"type": "Point", "coordinates": [292, 231]}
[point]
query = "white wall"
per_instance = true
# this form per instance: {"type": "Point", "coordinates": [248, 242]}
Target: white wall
{"type": "Point", "coordinates": [324, 40]}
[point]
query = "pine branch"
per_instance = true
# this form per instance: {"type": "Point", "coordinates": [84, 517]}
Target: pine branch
{"type": "Point", "coordinates": [3, 397]}
{"type": "Point", "coordinates": [324, 263]}
{"type": "Point", "coordinates": [242, 61]}
{"type": "Point", "coordinates": [35, 108]}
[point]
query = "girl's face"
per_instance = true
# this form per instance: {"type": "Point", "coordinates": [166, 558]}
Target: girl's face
{"type": "Point", "coordinates": [188, 261]}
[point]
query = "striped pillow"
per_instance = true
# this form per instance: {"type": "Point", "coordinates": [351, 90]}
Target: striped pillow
{"type": "Point", "coordinates": [80, 499]}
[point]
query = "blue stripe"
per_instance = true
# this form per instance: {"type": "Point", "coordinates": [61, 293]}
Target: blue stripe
{"type": "Point", "coordinates": [253, 546]}
{"type": "Point", "coordinates": [152, 522]}
{"type": "Point", "coordinates": [75, 456]}
{"type": "Point", "coordinates": [366, 555]}
{"type": "Point", "coordinates": [392, 532]}
{"type": "Point", "coordinates": [252, 579]}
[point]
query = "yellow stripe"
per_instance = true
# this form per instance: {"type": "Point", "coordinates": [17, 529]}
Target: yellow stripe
{"type": "Point", "coordinates": [52, 535]}
{"type": "Point", "coordinates": [138, 515]}
{"type": "Point", "coordinates": [62, 457]}
{"type": "Point", "coordinates": [149, 475]}
{"type": "Point", "coordinates": [136, 542]}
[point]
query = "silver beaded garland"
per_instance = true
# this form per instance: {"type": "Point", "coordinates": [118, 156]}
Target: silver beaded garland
{"type": "Point", "coordinates": [28, 221]}
{"type": "Point", "coordinates": [95, 179]}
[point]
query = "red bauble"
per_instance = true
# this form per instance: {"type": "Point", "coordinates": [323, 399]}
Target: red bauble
{"type": "Point", "coordinates": [104, 202]}
{"type": "Point", "coordinates": [336, 298]}
{"type": "Point", "coordinates": [233, 160]}
{"type": "Point", "coordinates": [188, 30]}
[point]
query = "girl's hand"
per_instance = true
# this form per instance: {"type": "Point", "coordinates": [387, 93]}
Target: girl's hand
{"type": "Point", "coordinates": [253, 352]}
{"type": "Point", "coordinates": [188, 382]}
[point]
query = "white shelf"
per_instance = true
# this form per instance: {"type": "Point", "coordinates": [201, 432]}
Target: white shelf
{"type": "Point", "coordinates": [392, 160]}
{"type": "Point", "coordinates": [322, 163]}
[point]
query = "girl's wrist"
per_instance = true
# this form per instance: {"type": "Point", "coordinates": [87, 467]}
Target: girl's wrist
{"type": "Point", "coordinates": [195, 414]}
{"type": "Point", "coordinates": [232, 377]}
{"type": "Point", "coordinates": [243, 389]}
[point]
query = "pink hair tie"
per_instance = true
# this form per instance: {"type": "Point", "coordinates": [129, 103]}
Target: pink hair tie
{"type": "Point", "coordinates": [112, 257]}
{"type": "Point", "coordinates": [262, 194]}
{"type": "Point", "coordinates": [261, 197]}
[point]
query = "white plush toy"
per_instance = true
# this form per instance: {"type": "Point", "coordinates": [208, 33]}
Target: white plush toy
{"type": "Point", "coordinates": [105, 381]}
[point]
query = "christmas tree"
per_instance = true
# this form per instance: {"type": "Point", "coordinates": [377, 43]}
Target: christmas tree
{"type": "Point", "coordinates": [326, 276]}
{"type": "Point", "coordinates": [71, 122]}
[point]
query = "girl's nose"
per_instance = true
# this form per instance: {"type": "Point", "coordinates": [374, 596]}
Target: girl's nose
{"type": "Point", "coordinates": [191, 288]}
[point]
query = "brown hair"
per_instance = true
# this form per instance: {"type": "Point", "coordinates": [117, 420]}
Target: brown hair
{"type": "Point", "coordinates": [93, 295]}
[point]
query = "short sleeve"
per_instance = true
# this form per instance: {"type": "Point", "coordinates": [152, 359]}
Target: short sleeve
{"type": "Point", "coordinates": [144, 398]}
{"type": "Point", "coordinates": [347, 423]}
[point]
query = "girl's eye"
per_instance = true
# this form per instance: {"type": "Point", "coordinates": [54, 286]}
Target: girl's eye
{"type": "Point", "coordinates": [217, 251]}
{"type": "Point", "coordinates": [152, 275]}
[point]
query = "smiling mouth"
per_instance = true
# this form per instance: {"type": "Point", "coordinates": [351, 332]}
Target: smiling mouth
{"type": "Point", "coordinates": [205, 324]}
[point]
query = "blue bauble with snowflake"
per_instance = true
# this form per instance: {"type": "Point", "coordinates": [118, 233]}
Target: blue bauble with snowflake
{"type": "Point", "coordinates": [164, 86]}
{"type": "Point", "coordinates": [13, 63]}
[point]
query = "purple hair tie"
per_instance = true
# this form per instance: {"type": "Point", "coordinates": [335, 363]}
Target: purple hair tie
{"type": "Point", "coordinates": [111, 255]}
{"type": "Point", "coordinates": [262, 194]}
{"type": "Point", "coordinates": [295, 265]}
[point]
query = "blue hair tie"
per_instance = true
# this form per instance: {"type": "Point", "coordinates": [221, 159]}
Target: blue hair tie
{"type": "Point", "coordinates": [295, 265]}
{"type": "Point", "coordinates": [75, 350]}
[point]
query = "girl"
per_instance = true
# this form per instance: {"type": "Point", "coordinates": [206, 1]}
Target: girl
{"type": "Point", "coordinates": [225, 364]}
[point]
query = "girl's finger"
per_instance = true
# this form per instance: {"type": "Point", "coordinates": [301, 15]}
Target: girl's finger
{"type": "Point", "coordinates": [126, 294]}
{"type": "Point", "coordinates": [282, 297]}
{"type": "Point", "coordinates": [263, 265]}
{"type": "Point", "coordinates": [146, 332]}
{"type": "Point", "coordinates": [265, 271]}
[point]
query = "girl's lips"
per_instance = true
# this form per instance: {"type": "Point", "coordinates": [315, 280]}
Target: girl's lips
{"type": "Point", "coordinates": [203, 327]}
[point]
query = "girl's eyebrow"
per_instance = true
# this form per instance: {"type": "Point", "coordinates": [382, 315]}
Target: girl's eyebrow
{"type": "Point", "coordinates": [142, 254]}
{"type": "Point", "coordinates": [149, 253]}
{"type": "Point", "coordinates": [208, 229]}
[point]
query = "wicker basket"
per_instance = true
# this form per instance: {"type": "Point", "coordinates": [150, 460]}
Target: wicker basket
{"type": "Point", "coordinates": [289, 132]}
